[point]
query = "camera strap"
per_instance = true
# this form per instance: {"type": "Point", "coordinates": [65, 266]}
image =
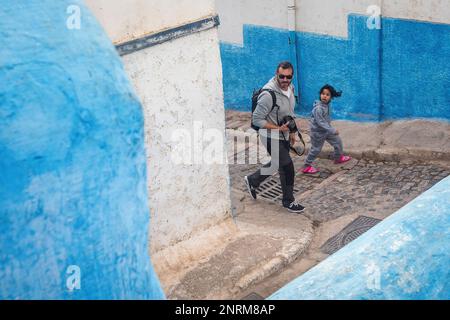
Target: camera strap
{"type": "Point", "coordinates": [300, 137]}
{"type": "Point", "coordinates": [302, 141]}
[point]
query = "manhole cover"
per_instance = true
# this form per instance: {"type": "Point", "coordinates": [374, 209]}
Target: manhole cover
{"type": "Point", "coordinates": [355, 229]}
{"type": "Point", "coordinates": [253, 296]}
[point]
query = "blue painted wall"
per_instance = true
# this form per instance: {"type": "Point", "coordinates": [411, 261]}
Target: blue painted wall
{"type": "Point", "coordinates": [349, 65]}
{"type": "Point", "coordinates": [415, 70]}
{"type": "Point", "coordinates": [398, 72]}
{"type": "Point", "coordinates": [251, 66]}
{"type": "Point", "coordinates": [72, 161]}
{"type": "Point", "coordinates": [405, 257]}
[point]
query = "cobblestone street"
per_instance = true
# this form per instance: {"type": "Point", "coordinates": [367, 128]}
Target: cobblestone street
{"type": "Point", "coordinates": [271, 246]}
{"type": "Point", "coordinates": [366, 187]}
{"type": "Point", "coordinates": [333, 198]}
{"type": "Point", "coordinates": [380, 188]}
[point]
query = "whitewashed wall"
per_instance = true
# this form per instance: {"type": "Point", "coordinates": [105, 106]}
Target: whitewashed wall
{"type": "Point", "coordinates": [234, 13]}
{"type": "Point", "coordinates": [131, 19]}
{"type": "Point", "coordinates": [323, 17]}
{"type": "Point", "coordinates": [424, 10]}
{"type": "Point", "coordinates": [329, 16]}
{"type": "Point", "coordinates": [180, 85]}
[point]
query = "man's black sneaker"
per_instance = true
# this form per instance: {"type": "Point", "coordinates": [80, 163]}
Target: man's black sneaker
{"type": "Point", "coordinates": [295, 207]}
{"type": "Point", "coordinates": [250, 188]}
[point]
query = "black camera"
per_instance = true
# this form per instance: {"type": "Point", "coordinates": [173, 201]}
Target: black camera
{"type": "Point", "coordinates": [291, 123]}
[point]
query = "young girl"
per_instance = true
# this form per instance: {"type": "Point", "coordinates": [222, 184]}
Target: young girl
{"type": "Point", "coordinates": [321, 130]}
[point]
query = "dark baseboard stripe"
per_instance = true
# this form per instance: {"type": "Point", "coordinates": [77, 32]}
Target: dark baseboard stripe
{"type": "Point", "coordinates": [167, 35]}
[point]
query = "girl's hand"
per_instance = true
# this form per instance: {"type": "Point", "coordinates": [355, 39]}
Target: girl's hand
{"type": "Point", "coordinates": [337, 132]}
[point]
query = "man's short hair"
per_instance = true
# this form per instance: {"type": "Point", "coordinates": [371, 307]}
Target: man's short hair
{"type": "Point", "coordinates": [285, 65]}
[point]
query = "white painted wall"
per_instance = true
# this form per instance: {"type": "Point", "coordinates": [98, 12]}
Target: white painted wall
{"type": "Point", "coordinates": [180, 83]}
{"type": "Point", "coordinates": [125, 20]}
{"type": "Point", "coordinates": [234, 13]}
{"type": "Point", "coordinates": [425, 10]}
{"type": "Point", "coordinates": [329, 16]}
{"type": "Point", "coordinates": [322, 17]}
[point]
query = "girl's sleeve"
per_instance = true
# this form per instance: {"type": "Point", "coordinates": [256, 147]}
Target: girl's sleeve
{"type": "Point", "coordinates": [322, 122]}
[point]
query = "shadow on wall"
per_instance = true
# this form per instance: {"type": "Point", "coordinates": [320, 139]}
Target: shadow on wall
{"type": "Point", "coordinates": [73, 200]}
{"type": "Point", "coordinates": [398, 72]}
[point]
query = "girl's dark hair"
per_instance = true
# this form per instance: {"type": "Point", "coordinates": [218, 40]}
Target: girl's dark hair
{"type": "Point", "coordinates": [334, 93]}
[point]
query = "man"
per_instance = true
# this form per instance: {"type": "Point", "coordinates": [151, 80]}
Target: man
{"type": "Point", "coordinates": [275, 136]}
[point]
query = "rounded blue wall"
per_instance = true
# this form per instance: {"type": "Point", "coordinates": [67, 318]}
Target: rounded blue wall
{"type": "Point", "coordinates": [72, 162]}
{"type": "Point", "coordinates": [405, 257]}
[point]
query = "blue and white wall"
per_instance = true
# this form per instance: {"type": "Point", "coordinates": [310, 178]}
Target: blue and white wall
{"type": "Point", "coordinates": [74, 211]}
{"type": "Point", "coordinates": [398, 71]}
{"type": "Point", "coordinates": [179, 81]}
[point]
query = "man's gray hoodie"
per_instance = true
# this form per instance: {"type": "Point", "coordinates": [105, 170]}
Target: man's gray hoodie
{"type": "Point", "coordinates": [262, 113]}
{"type": "Point", "coordinates": [320, 121]}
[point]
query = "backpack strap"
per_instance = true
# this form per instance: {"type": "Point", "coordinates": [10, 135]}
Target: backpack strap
{"type": "Point", "coordinates": [274, 98]}
{"type": "Point", "coordinates": [274, 101]}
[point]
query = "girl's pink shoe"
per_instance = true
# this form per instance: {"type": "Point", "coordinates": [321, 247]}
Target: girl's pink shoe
{"type": "Point", "coordinates": [343, 159]}
{"type": "Point", "coordinates": [310, 170]}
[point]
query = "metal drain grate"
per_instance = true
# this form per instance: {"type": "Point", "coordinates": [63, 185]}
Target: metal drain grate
{"type": "Point", "coordinates": [271, 189]}
{"type": "Point", "coordinates": [253, 296]}
{"type": "Point", "coordinates": [355, 229]}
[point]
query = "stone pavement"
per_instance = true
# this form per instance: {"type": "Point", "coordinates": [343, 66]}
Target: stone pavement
{"type": "Point", "coordinates": [378, 187]}
{"type": "Point", "coordinates": [274, 246]}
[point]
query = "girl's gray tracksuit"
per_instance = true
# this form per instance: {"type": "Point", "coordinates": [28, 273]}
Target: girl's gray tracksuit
{"type": "Point", "coordinates": [321, 131]}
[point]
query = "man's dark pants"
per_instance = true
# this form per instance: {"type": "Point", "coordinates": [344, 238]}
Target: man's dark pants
{"type": "Point", "coordinates": [284, 165]}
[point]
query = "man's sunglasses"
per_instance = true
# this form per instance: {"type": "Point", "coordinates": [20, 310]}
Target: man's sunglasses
{"type": "Point", "coordinates": [282, 76]}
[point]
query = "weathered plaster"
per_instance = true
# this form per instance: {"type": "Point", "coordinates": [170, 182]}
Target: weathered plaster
{"type": "Point", "coordinates": [131, 19]}
{"type": "Point", "coordinates": [180, 84]}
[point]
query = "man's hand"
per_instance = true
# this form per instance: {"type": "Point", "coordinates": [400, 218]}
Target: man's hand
{"type": "Point", "coordinates": [284, 127]}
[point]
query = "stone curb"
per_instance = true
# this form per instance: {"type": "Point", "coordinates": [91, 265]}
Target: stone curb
{"type": "Point", "coordinates": [272, 266]}
{"type": "Point", "coordinates": [293, 245]}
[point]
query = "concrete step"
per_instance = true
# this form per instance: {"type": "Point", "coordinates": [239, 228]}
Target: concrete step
{"type": "Point", "coordinates": [269, 239]}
